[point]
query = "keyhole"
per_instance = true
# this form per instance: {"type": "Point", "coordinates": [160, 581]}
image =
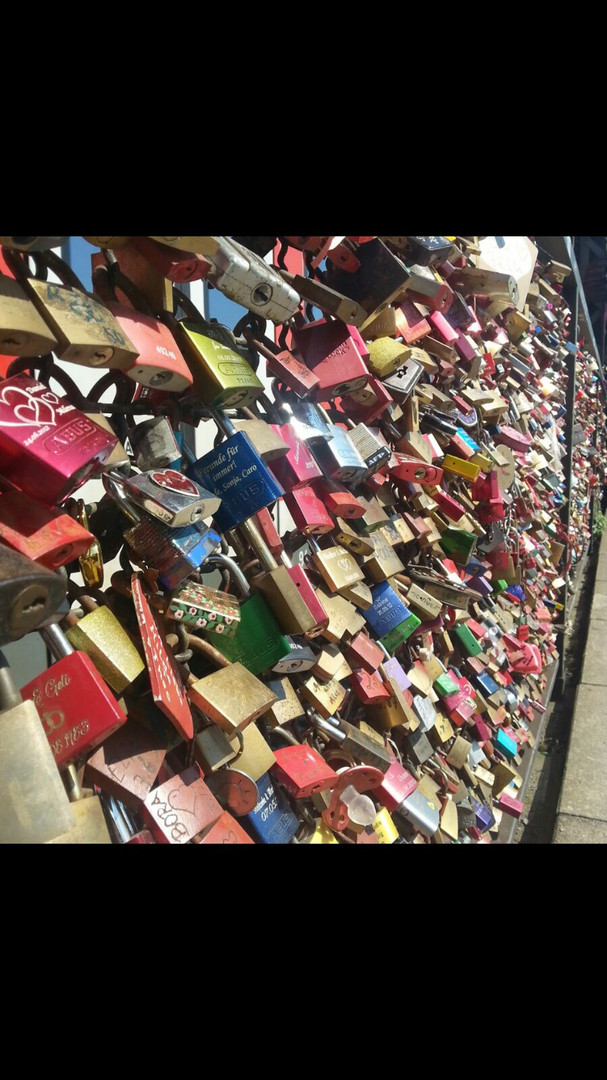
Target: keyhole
{"type": "Point", "coordinates": [35, 605]}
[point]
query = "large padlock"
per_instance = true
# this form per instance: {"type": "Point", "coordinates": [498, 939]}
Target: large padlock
{"type": "Point", "coordinates": [223, 378]}
{"type": "Point", "coordinates": [77, 708]}
{"type": "Point", "coordinates": [236, 473]}
{"type": "Point", "coordinates": [90, 826]}
{"type": "Point", "coordinates": [99, 634]}
{"type": "Point", "coordinates": [47, 536]}
{"type": "Point", "coordinates": [126, 765]}
{"type": "Point", "coordinates": [181, 807]}
{"type": "Point", "coordinates": [283, 594]}
{"type": "Point", "coordinates": [23, 331]}
{"type": "Point", "coordinates": [87, 333]}
{"type": "Point", "coordinates": [33, 243]}
{"type": "Point", "coordinates": [328, 348]}
{"type": "Point", "coordinates": [169, 496]}
{"type": "Point", "coordinates": [173, 552]}
{"type": "Point", "coordinates": [30, 595]}
{"type": "Point", "coordinates": [231, 696]}
{"type": "Point", "coordinates": [248, 280]}
{"type": "Point", "coordinates": [258, 643]}
{"type": "Point", "coordinates": [34, 807]}
{"type": "Point", "coordinates": [159, 363]}
{"type": "Point", "coordinates": [47, 447]}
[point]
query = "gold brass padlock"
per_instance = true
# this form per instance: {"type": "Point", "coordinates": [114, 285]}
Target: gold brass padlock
{"type": "Point", "coordinates": [86, 331]}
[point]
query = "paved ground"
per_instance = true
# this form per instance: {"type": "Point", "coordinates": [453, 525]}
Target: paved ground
{"type": "Point", "coordinates": [582, 811]}
{"type": "Point", "coordinates": [545, 783]}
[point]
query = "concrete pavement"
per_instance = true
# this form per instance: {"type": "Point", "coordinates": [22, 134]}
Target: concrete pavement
{"type": "Point", "coordinates": [582, 811]}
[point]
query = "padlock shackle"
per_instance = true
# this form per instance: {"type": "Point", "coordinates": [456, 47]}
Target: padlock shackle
{"type": "Point", "coordinates": [223, 422]}
{"type": "Point", "coordinates": [113, 483]}
{"type": "Point", "coordinates": [106, 279]}
{"type": "Point", "coordinates": [253, 534]}
{"type": "Point", "coordinates": [218, 558]}
{"type": "Point", "coordinates": [49, 260]}
{"type": "Point", "coordinates": [56, 641]}
{"type": "Point", "coordinates": [9, 693]}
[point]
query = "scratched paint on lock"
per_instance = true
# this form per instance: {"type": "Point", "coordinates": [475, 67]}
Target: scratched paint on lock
{"type": "Point", "coordinates": [167, 688]}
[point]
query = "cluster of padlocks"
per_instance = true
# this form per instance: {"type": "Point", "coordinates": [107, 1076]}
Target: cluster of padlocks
{"type": "Point", "coordinates": [334, 626]}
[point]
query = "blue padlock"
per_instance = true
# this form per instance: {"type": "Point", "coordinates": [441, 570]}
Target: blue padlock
{"type": "Point", "coordinates": [387, 610]}
{"type": "Point", "coordinates": [235, 472]}
{"type": "Point", "coordinates": [272, 821]}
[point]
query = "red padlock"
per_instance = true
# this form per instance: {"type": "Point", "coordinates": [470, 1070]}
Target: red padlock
{"type": "Point", "coordinates": [77, 708]}
{"type": "Point", "coordinates": [160, 363]}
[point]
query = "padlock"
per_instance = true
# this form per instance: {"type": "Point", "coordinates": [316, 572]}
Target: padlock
{"type": "Point", "coordinates": [338, 499]}
{"type": "Point", "coordinates": [181, 807]}
{"type": "Point", "coordinates": [371, 446]}
{"type": "Point", "coordinates": [126, 765]}
{"type": "Point", "coordinates": [370, 403]}
{"type": "Point", "coordinates": [23, 331]}
{"type": "Point", "coordinates": [479, 282]}
{"type": "Point", "coordinates": [258, 642]}
{"type": "Point", "coordinates": [77, 709]}
{"type": "Point", "coordinates": [173, 553]}
{"type": "Point", "coordinates": [327, 696]}
{"type": "Point", "coordinates": [154, 444]}
{"type": "Point", "coordinates": [328, 348]}
{"type": "Point", "coordinates": [425, 250]}
{"type": "Point", "coordinates": [33, 243]}
{"type": "Point", "coordinates": [235, 473]}
{"type": "Point", "coordinates": [47, 447]}
{"type": "Point", "coordinates": [298, 467]}
{"type": "Point", "coordinates": [30, 594]}
{"type": "Point", "coordinates": [222, 377]}
{"type": "Point", "coordinates": [99, 634]}
{"type": "Point", "coordinates": [231, 696]}
{"type": "Point", "coordinates": [383, 563]}
{"type": "Point", "coordinates": [86, 331]}
{"type": "Point", "coordinates": [168, 691]}
{"type": "Point", "coordinates": [338, 457]}
{"type": "Point", "coordinates": [389, 618]}
{"type": "Point", "coordinates": [169, 496]}
{"type": "Point", "coordinates": [283, 364]}
{"type": "Point", "coordinates": [35, 807]}
{"type": "Point", "coordinates": [354, 741]}
{"type": "Point", "coordinates": [327, 300]}
{"type": "Point", "coordinates": [302, 771]}
{"type": "Point", "coordinates": [336, 566]}
{"type": "Point", "coordinates": [264, 436]}
{"type": "Point", "coordinates": [283, 596]}
{"type": "Point", "coordinates": [308, 511]}
{"type": "Point", "coordinates": [246, 279]}
{"type": "Point", "coordinates": [171, 263]}
{"type": "Point", "coordinates": [235, 790]}
{"type": "Point", "coordinates": [159, 363]}
{"type": "Point", "coordinates": [381, 279]}
{"type": "Point", "coordinates": [386, 356]}
{"type": "Point", "coordinates": [271, 821]}
{"type": "Point", "coordinates": [90, 825]}
{"type": "Point", "coordinates": [199, 607]}
{"type": "Point", "coordinates": [46, 536]}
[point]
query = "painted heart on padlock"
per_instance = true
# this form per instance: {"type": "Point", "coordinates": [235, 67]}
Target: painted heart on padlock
{"type": "Point", "coordinates": [175, 481]}
{"type": "Point", "coordinates": [30, 411]}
